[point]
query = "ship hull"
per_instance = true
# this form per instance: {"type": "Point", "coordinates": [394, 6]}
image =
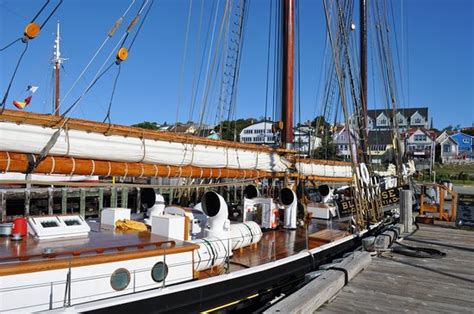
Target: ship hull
{"type": "Point", "coordinates": [228, 290]}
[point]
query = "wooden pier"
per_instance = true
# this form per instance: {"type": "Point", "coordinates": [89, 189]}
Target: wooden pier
{"type": "Point", "coordinates": [397, 283]}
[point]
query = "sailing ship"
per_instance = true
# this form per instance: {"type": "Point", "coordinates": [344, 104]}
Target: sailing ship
{"type": "Point", "coordinates": [187, 259]}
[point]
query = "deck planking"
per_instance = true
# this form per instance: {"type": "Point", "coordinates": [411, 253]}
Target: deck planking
{"type": "Point", "coordinates": [397, 283]}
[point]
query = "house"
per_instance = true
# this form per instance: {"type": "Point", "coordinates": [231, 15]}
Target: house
{"type": "Point", "coordinates": [304, 139]}
{"type": "Point", "coordinates": [419, 142]}
{"type": "Point", "coordinates": [449, 149]}
{"type": "Point", "coordinates": [188, 128]}
{"type": "Point", "coordinates": [380, 119]}
{"type": "Point", "coordinates": [343, 142]}
{"type": "Point", "coordinates": [465, 143]}
{"type": "Point", "coordinates": [258, 133]}
{"type": "Point", "coordinates": [442, 137]}
{"type": "Point", "coordinates": [380, 146]}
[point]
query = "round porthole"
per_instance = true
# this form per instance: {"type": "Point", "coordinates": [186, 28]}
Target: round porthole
{"type": "Point", "coordinates": [159, 272]}
{"type": "Point", "coordinates": [120, 279]}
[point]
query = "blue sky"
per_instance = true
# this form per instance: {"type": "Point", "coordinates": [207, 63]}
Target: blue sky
{"type": "Point", "coordinates": [437, 56]}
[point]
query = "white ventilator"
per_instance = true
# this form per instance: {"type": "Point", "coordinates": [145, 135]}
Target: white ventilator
{"type": "Point", "coordinates": [249, 209]}
{"type": "Point", "coordinates": [153, 202]}
{"type": "Point", "coordinates": [326, 193]}
{"type": "Point", "coordinates": [215, 207]}
{"type": "Point", "coordinates": [290, 202]}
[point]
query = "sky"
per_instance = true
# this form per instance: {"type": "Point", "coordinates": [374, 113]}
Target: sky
{"type": "Point", "coordinates": [435, 49]}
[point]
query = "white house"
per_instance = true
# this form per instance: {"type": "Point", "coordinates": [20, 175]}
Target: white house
{"type": "Point", "coordinates": [258, 133]}
{"type": "Point", "coordinates": [419, 142]}
{"type": "Point", "coordinates": [442, 137]}
{"type": "Point", "coordinates": [449, 149]}
{"type": "Point", "coordinates": [341, 139]}
{"type": "Point", "coordinates": [379, 119]}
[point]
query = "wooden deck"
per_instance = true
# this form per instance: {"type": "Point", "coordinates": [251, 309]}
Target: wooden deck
{"type": "Point", "coordinates": [399, 284]}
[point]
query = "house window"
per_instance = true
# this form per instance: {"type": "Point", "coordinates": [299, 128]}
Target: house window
{"type": "Point", "coordinates": [447, 148]}
{"type": "Point", "coordinates": [417, 120]}
{"type": "Point", "coordinates": [466, 141]}
{"type": "Point", "coordinates": [383, 122]}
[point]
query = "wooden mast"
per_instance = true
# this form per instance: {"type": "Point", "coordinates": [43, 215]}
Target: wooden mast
{"type": "Point", "coordinates": [288, 71]}
{"type": "Point", "coordinates": [363, 131]}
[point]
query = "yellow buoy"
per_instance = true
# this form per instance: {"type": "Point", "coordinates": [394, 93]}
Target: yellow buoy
{"type": "Point", "coordinates": [122, 54]}
{"type": "Point", "coordinates": [32, 30]}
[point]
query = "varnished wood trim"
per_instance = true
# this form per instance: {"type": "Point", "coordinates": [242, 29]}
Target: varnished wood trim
{"type": "Point", "coordinates": [53, 264]}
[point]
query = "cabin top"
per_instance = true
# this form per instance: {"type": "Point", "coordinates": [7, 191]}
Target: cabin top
{"type": "Point", "coordinates": [99, 246]}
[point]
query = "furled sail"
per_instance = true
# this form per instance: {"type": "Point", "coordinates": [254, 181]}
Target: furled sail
{"type": "Point", "coordinates": [138, 149]}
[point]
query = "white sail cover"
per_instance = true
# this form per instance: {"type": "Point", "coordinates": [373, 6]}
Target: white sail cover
{"type": "Point", "coordinates": [25, 138]}
{"type": "Point", "coordinates": [311, 169]}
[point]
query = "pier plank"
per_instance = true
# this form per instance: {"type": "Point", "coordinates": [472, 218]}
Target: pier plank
{"type": "Point", "coordinates": [397, 283]}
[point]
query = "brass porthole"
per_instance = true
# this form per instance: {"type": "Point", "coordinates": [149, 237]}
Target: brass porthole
{"type": "Point", "coordinates": [120, 279]}
{"type": "Point", "coordinates": [159, 272]}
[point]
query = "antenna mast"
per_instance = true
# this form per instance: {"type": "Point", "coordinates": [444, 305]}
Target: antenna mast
{"type": "Point", "coordinates": [57, 61]}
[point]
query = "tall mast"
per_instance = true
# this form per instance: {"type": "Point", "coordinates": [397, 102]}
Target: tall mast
{"type": "Point", "coordinates": [363, 132]}
{"type": "Point", "coordinates": [288, 71]}
{"type": "Point", "coordinates": [363, 55]}
{"type": "Point", "coordinates": [57, 60]}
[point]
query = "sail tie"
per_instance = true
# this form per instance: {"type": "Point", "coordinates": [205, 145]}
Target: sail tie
{"type": "Point", "coordinates": [53, 165]}
{"type": "Point", "coordinates": [142, 139]}
{"type": "Point", "coordinates": [8, 163]}
{"type": "Point", "coordinates": [156, 170]}
{"type": "Point", "coordinates": [93, 168]}
{"type": "Point", "coordinates": [126, 171]}
{"type": "Point", "coordinates": [73, 166]}
{"type": "Point", "coordinates": [110, 168]}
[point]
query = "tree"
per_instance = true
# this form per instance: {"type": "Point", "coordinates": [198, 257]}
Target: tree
{"type": "Point", "coordinates": [328, 150]}
{"type": "Point", "coordinates": [147, 125]}
{"type": "Point", "coordinates": [233, 127]}
{"type": "Point", "coordinates": [320, 125]}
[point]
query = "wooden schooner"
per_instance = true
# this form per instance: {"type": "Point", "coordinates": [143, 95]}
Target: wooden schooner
{"type": "Point", "coordinates": [187, 259]}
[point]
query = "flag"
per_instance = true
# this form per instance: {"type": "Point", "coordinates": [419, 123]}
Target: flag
{"type": "Point", "coordinates": [30, 90]}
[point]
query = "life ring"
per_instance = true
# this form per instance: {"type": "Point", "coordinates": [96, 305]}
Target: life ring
{"type": "Point", "coordinates": [364, 173]}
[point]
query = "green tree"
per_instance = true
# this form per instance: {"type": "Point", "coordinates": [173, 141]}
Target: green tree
{"type": "Point", "coordinates": [229, 128]}
{"type": "Point", "coordinates": [147, 125]}
{"type": "Point", "coordinates": [327, 150]}
{"type": "Point", "coordinates": [320, 125]}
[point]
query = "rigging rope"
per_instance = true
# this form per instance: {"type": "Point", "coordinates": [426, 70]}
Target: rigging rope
{"type": "Point", "coordinates": [183, 61]}
{"type": "Point", "coordinates": [5, 97]}
{"type": "Point", "coordinates": [52, 141]}
{"type": "Point", "coordinates": [197, 65]}
{"type": "Point", "coordinates": [110, 34]}
{"type": "Point", "coordinates": [25, 39]}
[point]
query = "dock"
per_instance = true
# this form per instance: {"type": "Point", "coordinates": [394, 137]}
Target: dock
{"type": "Point", "coordinates": [398, 283]}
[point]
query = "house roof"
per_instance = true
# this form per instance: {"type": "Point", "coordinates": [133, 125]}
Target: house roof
{"type": "Point", "coordinates": [449, 139]}
{"type": "Point", "coordinates": [380, 137]}
{"type": "Point", "coordinates": [409, 132]}
{"type": "Point", "coordinates": [407, 112]}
